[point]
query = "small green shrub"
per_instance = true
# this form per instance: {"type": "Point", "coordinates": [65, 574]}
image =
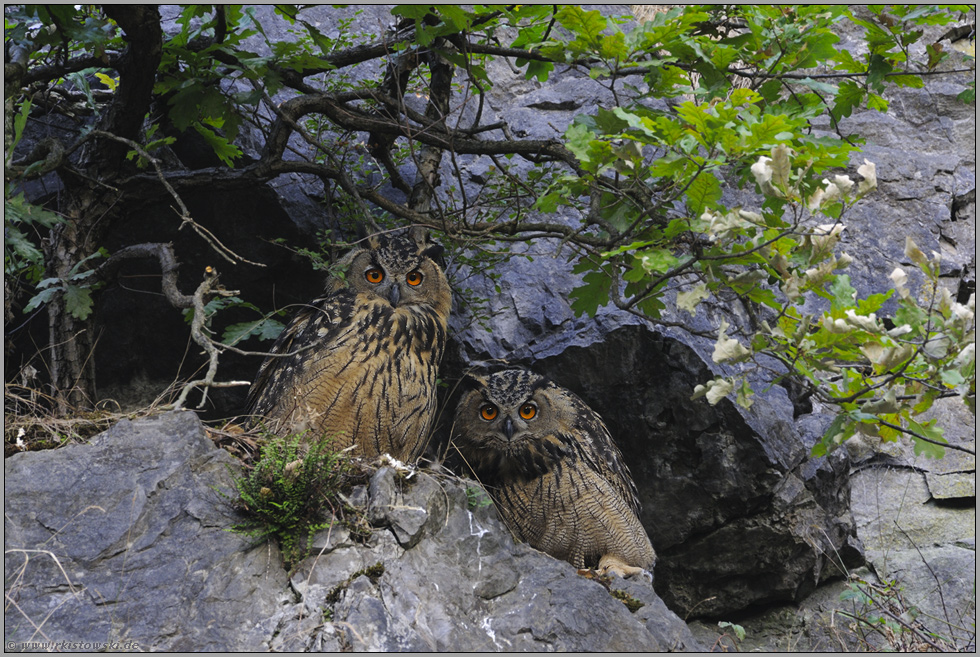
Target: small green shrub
{"type": "Point", "coordinates": [291, 493]}
{"type": "Point", "coordinates": [477, 498]}
{"type": "Point", "coordinates": [883, 620]}
{"type": "Point", "coordinates": [631, 603]}
{"type": "Point", "coordinates": [734, 633]}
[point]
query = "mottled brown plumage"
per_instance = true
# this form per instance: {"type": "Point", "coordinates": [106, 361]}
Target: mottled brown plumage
{"type": "Point", "coordinates": [363, 358]}
{"type": "Point", "coordinates": [551, 466]}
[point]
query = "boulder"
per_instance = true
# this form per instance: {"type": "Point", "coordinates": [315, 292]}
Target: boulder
{"type": "Point", "coordinates": [917, 518]}
{"type": "Point", "coordinates": [738, 513]}
{"type": "Point", "coordinates": [462, 584]}
{"type": "Point", "coordinates": [921, 549]}
{"type": "Point", "coordinates": [123, 544]}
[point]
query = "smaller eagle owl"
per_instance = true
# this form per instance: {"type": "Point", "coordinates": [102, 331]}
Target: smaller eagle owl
{"type": "Point", "coordinates": [358, 365]}
{"type": "Point", "coordinates": [553, 471]}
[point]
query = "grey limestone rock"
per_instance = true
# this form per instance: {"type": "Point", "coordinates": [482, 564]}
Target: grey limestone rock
{"type": "Point", "coordinates": [124, 541]}
{"type": "Point", "coordinates": [123, 544]}
{"type": "Point", "coordinates": [737, 510]}
{"type": "Point", "coordinates": [464, 585]}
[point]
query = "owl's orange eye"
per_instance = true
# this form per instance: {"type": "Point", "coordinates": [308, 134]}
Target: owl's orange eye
{"type": "Point", "coordinates": [414, 278]}
{"type": "Point", "coordinates": [488, 411]}
{"type": "Point", "coordinates": [374, 275]}
{"type": "Point", "coordinates": [528, 411]}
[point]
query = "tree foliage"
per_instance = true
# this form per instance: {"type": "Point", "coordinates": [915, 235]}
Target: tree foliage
{"type": "Point", "coordinates": [702, 99]}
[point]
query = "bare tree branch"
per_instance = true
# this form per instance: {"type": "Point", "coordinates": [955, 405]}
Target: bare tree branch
{"type": "Point", "coordinates": [164, 254]}
{"type": "Point", "coordinates": [137, 73]}
{"type": "Point", "coordinates": [48, 155]}
{"type": "Point", "coordinates": [207, 288]}
{"type": "Point", "coordinates": [428, 158]}
{"type": "Point", "coordinates": [53, 72]}
{"type": "Point", "coordinates": [919, 436]}
{"type": "Point", "coordinates": [352, 118]}
{"type": "Point", "coordinates": [185, 215]}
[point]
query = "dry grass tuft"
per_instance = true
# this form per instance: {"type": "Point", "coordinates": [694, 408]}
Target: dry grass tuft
{"type": "Point", "coordinates": [31, 424]}
{"type": "Point", "coordinates": [241, 442]}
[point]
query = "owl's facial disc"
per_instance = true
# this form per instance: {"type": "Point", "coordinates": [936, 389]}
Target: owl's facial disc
{"type": "Point", "coordinates": [399, 288]}
{"type": "Point", "coordinates": [403, 289]}
{"type": "Point", "coordinates": [490, 414]}
{"type": "Point", "coordinates": [389, 287]}
{"type": "Point", "coordinates": [383, 284]}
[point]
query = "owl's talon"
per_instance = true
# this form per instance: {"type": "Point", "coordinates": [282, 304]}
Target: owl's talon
{"type": "Point", "coordinates": [612, 565]}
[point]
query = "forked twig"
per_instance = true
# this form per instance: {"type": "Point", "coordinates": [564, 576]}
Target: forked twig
{"type": "Point", "coordinates": [185, 215]}
{"type": "Point", "coordinates": [207, 287]}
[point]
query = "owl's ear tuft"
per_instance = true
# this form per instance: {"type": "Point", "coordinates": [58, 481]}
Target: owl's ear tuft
{"type": "Point", "coordinates": [472, 380]}
{"type": "Point", "coordinates": [434, 252]}
{"type": "Point", "coordinates": [371, 240]}
{"type": "Point", "coordinates": [420, 235]}
{"type": "Point", "coordinates": [427, 248]}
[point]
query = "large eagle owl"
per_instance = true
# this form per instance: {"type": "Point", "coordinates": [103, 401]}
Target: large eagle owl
{"type": "Point", "coordinates": [553, 471]}
{"type": "Point", "coordinates": [358, 365]}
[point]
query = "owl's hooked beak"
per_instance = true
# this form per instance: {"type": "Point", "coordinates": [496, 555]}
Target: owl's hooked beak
{"type": "Point", "coordinates": [394, 294]}
{"type": "Point", "coordinates": [508, 427]}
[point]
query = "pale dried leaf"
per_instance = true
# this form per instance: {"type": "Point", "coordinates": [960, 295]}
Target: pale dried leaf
{"type": "Point", "coordinates": [729, 350]}
{"type": "Point", "coordinates": [843, 184]}
{"type": "Point", "coordinates": [781, 167]}
{"type": "Point", "coordinates": [900, 278]}
{"type": "Point", "coordinates": [867, 322]}
{"type": "Point", "coordinates": [718, 390]}
{"type": "Point", "coordinates": [914, 253]}
{"type": "Point", "coordinates": [870, 178]}
{"type": "Point", "coordinates": [688, 301]}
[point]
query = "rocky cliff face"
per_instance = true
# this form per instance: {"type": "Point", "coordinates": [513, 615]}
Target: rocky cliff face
{"type": "Point", "coordinates": [738, 512]}
{"type": "Point", "coordinates": [124, 543]}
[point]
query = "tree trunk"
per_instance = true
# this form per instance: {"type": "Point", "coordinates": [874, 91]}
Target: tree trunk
{"type": "Point", "coordinates": [429, 157]}
{"type": "Point", "coordinates": [71, 339]}
{"type": "Point", "coordinates": [92, 202]}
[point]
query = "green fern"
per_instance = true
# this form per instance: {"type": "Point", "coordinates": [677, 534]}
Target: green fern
{"type": "Point", "coordinates": [291, 494]}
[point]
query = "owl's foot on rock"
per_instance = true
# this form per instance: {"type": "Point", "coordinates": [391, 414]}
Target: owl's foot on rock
{"type": "Point", "coordinates": [610, 564]}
